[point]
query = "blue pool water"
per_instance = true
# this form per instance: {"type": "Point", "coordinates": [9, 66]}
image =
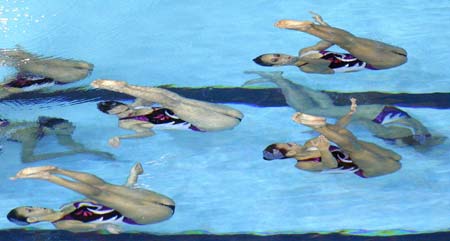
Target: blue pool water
{"type": "Point", "coordinates": [219, 181]}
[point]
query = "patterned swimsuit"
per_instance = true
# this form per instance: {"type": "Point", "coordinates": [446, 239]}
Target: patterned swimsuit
{"type": "Point", "coordinates": [342, 62]}
{"type": "Point", "coordinates": [345, 163]}
{"type": "Point", "coordinates": [163, 118]}
{"type": "Point", "coordinates": [29, 81]}
{"type": "Point", "coordinates": [89, 212]}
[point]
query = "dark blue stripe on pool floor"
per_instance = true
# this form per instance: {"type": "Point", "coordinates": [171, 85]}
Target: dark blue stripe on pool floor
{"type": "Point", "coordinates": [56, 235]}
{"type": "Point", "coordinates": [267, 97]}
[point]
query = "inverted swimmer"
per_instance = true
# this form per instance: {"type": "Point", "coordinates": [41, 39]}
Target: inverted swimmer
{"type": "Point", "coordinates": [107, 205]}
{"type": "Point", "coordinates": [362, 53]}
{"type": "Point", "coordinates": [387, 122]}
{"type": "Point", "coordinates": [176, 112]}
{"type": "Point", "coordinates": [30, 133]}
{"type": "Point", "coordinates": [362, 158]}
{"type": "Point", "coordinates": [36, 72]}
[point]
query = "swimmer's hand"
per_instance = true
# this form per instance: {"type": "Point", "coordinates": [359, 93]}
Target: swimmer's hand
{"type": "Point", "coordinates": [111, 228]}
{"type": "Point", "coordinates": [321, 143]}
{"type": "Point", "coordinates": [114, 141]}
{"type": "Point", "coordinates": [353, 106]}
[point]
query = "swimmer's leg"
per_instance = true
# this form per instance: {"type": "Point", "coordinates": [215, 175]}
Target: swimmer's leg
{"type": "Point", "coordinates": [142, 206]}
{"type": "Point", "coordinates": [164, 97]}
{"type": "Point", "coordinates": [392, 118]}
{"type": "Point", "coordinates": [309, 120]}
{"type": "Point", "coordinates": [172, 100]}
{"type": "Point", "coordinates": [378, 54]}
{"type": "Point", "coordinates": [43, 173]}
{"type": "Point", "coordinates": [68, 63]}
{"type": "Point", "coordinates": [386, 153]}
{"type": "Point", "coordinates": [13, 57]}
{"type": "Point", "coordinates": [341, 136]}
{"type": "Point", "coordinates": [95, 181]}
{"type": "Point", "coordinates": [82, 177]}
{"type": "Point", "coordinates": [299, 97]}
{"type": "Point", "coordinates": [330, 34]}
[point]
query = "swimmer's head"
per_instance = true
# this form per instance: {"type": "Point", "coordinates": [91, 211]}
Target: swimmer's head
{"type": "Point", "coordinates": [62, 126]}
{"type": "Point", "coordinates": [4, 122]}
{"type": "Point", "coordinates": [282, 151]}
{"type": "Point", "coordinates": [274, 151]}
{"type": "Point", "coordinates": [26, 214]}
{"type": "Point", "coordinates": [111, 106]}
{"type": "Point", "coordinates": [275, 60]}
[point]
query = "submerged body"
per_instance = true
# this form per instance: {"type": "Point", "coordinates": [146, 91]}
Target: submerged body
{"type": "Point", "coordinates": [176, 112]}
{"type": "Point", "coordinates": [107, 205]}
{"type": "Point", "coordinates": [29, 134]}
{"type": "Point", "coordinates": [362, 53]}
{"type": "Point", "coordinates": [350, 154]}
{"type": "Point", "coordinates": [36, 72]}
{"type": "Point", "coordinates": [386, 122]}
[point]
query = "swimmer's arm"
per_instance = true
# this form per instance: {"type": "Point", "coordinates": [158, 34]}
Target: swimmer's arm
{"type": "Point", "coordinates": [323, 145]}
{"type": "Point", "coordinates": [67, 141]}
{"type": "Point", "coordinates": [328, 160]}
{"type": "Point", "coordinates": [311, 65]}
{"type": "Point", "coordinates": [345, 120]}
{"type": "Point", "coordinates": [141, 130]}
{"type": "Point", "coordinates": [77, 226]}
{"type": "Point", "coordinates": [54, 216]}
{"type": "Point", "coordinates": [310, 166]}
{"type": "Point", "coordinates": [27, 154]}
{"type": "Point", "coordinates": [321, 45]}
{"type": "Point", "coordinates": [29, 144]}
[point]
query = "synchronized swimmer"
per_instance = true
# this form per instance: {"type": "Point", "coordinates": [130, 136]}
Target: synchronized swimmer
{"type": "Point", "coordinates": [362, 158]}
{"type": "Point", "coordinates": [387, 122]}
{"type": "Point", "coordinates": [362, 53]}
{"type": "Point", "coordinates": [30, 133]}
{"type": "Point", "coordinates": [37, 72]}
{"type": "Point", "coordinates": [177, 112]}
{"type": "Point", "coordinates": [107, 205]}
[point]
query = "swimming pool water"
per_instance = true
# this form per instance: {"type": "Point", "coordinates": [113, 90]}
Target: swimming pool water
{"type": "Point", "coordinates": [219, 180]}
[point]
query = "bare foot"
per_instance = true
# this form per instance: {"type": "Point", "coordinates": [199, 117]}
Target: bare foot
{"type": "Point", "coordinates": [309, 120]}
{"type": "Point", "coordinates": [33, 170]}
{"type": "Point", "coordinates": [294, 24]}
{"type": "Point", "coordinates": [108, 84]}
{"type": "Point", "coordinates": [37, 175]}
{"type": "Point", "coordinates": [137, 169]}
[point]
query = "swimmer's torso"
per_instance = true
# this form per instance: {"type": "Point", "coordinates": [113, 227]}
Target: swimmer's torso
{"type": "Point", "coordinates": [88, 212]}
{"type": "Point", "coordinates": [341, 62]}
{"type": "Point", "coordinates": [29, 82]}
{"type": "Point", "coordinates": [344, 162]}
{"type": "Point", "coordinates": [163, 118]}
